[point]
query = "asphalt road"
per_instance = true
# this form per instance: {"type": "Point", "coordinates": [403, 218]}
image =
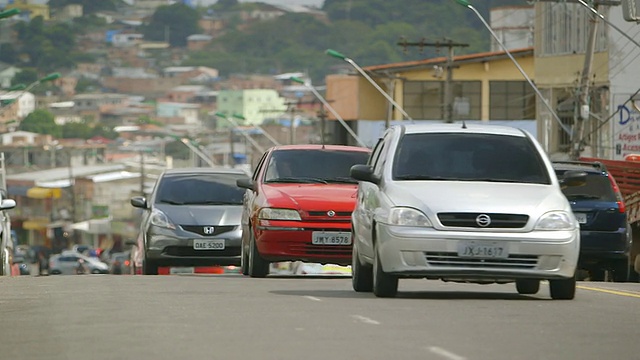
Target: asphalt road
{"type": "Point", "coordinates": [233, 317]}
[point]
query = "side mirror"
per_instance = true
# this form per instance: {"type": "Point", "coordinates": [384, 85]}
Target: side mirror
{"type": "Point", "coordinates": [246, 184]}
{"type": "Point", "coordinates": [573, 178]}
{"type": "Point", "coordinates": [139, 202]}
{"type": "Point", "coordinates": [363, 173]}
{"type": "Point", "coordinates": [7, 204]}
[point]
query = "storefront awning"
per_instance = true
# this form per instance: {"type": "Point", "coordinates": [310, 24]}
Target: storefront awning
{"type": "Point", "coordinates": [44, 193]}
{"type": "Point", "coordinates": [35, 224]}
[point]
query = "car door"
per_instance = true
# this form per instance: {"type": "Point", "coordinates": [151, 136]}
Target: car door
{"type": "Point", "coordinates": [248, 200]}
{"type": "Point", "coordinates": [368, 200]}
{"type": "Point", "coordinates": [68, 264]}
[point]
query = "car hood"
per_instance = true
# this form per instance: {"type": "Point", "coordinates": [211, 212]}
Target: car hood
{"type": "Point", "coordinates": [202, 214]}
{"type": "Point", "coordinates": [507, 198]}
{"type": "Point", "coordinates": [341, 197]}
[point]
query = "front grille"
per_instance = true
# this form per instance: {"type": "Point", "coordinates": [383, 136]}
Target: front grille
{"type": "Point", "coordinates": [187, 251]}
{"type": "Point", "coordinates": [199, 229]}
{"type": "Point", "coordinates": [324, 213]}
{"type": "Point", "coordinates": [449, 259]}
{"type": "Point", "coordinates": [498, 221]}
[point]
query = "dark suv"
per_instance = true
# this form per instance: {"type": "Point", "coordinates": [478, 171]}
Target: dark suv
{"type": "Point", "coordinates": [605, 234]}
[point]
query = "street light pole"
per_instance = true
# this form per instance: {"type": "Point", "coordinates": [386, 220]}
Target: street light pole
{"type": "Point", "coordinates": [333, 111]}
{"type": "Point", "coordinates": [338, 55]}
{"type": "Point", "coordinates": [235, 125]}
{"type": "Point", "coordinates": [48, 78]}
{"type": "Point", "coordinates": [266, 134]}
{"type": "Point", "coordinates": [468, 5]}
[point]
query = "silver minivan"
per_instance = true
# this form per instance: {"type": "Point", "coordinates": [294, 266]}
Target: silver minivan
{"type": "Point", "coordinates": [463, 203]}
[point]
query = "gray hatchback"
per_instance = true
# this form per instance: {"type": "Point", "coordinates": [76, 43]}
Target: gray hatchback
{"type": "Point", "coordinates": [192, 218]}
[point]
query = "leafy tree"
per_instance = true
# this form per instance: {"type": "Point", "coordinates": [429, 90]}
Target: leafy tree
{"type": "Point", "coordinates": [42, 122]}
{"type": "Point", "coordinates": [8, 53]}
{"type": "Point", "coordinates": [47, 48]}
{"type": "Point", "coordinates": [226, 5]}
{"type": "Point", "coordinates": [177, 150]}
{"type": "Point", "coordinates": [178, 21]}
{"type": "Point", "coordinates": [88, 6]}
{"type": "Point", "coordinates": [104, 131]}
{"type": "Point", "coordinates": [76, 130]}
{"type": "Point", "coordinates": [26, 76]}
{"type": "Point", "coordinates": [87, 85]}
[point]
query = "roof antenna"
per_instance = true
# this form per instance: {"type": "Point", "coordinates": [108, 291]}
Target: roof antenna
{"type": "Point", "coordinates": [464, 125]}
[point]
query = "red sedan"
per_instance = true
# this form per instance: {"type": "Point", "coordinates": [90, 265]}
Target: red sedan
{"type": "Point", "coordinates": [298, 206]}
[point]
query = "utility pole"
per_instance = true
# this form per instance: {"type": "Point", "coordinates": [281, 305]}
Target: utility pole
{"type": "Point", "coordinates": [581, 111]}
{"type": "Point", "coordinates": [142, 175]}
{"type": "Point", "coordinates": [449, 65]}
{"type": "Point", "coordinates": [72, 189]}
{"type": "Point", "coordinates": [292, 126]}
{"type": "Point", "coordinates": [322, 114]}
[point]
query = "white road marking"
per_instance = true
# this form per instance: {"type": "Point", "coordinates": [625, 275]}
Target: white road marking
{"type": "Point", "coordinates": [313, 298]}
{"type": "Point", "coordinates": [445, 353]}
{"type": "Point", "coordinates": [366, 320]}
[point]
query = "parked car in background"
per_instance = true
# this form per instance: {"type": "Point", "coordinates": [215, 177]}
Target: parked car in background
{"type": "Point", "coordinates": [7, 246]}
{"type": "Point", "coordinates": [119, 263]}
{"type": "Point", "coordinates": [68, 262]}
{"type": "Point", "coordinates": [192, 218]}
{"type": "Point", "coordinates": [463, 203]}
{"type": "Point", "coordinates": [605, 233]}
{"type": "Point", "coordinates": [298, 205]}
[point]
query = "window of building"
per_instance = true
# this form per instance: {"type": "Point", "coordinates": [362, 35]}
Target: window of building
{"type": "Point", "coordinates": [511, 100]}
{"type": "Point", "coordinates": [425, 99]}
{"type": "Point", "coordinates": [565, 29]}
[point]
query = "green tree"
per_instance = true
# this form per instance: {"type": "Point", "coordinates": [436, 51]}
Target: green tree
{"type": "Point", "coordinates": [88, 6]}
{"type": "Point", "coordinates": [177, 150]}
{"type": "Point", "coordinates": [8, 53]}
{"type": "Point", "coordinates": [87, 85]}
{"type": "Point", "coordinates": [76, 130]}
{"type": "Point", "coordinates": [176, 21]}
{"type": "Point", "coordinates": [104, 131]}
{"type": "Point", "coordinates": [42, 122]}
{"type": "Point", "coordinates": [26, 76]}
{"type": "Point", "coordinates": [46, 47]}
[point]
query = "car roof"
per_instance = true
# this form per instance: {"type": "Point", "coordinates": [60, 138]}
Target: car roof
{"type": "Point", "coordinates": [321, 147]}
{"type": "Point", "coordinates": [589, 167]}
{"type": "Point", "coordinates": [434, 127]}
{"type": "Point", "coordinates": [204, 170]}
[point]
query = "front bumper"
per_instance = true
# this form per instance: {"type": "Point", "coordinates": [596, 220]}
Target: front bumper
{"type": "Point", "coordinates": [289, 241]}
{"type": "Point", "coordinates": [420, 252]}
{"type": "Point", "coordinates": [170, 250]}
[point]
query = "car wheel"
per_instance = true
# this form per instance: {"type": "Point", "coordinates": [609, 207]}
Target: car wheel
{"type": "Point", "coordinates": [564, 289]}
{"type": "Point", "coordinates": [384, 285]}
{"type": "Point", "coordinates": [95, 271]}
{"type": "Point", "coordinates": [527, 286]}
{"type": "Point", "coordinates": [55, 272]}
{"type": "Point", "coordinates": [362, 275]}
{"type": "Point", "coordinates": [620, 270]}
{"type": "Point", "coordinates": [149, 267]}
{"type": "Point", "coordinates": [258, 267]}
{"type": "Point", "coordinates": [244, 260]}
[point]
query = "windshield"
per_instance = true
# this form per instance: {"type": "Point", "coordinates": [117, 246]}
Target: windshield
{"type": "Point", "coordinates": [196, 189]}
{"type": "Point", "coordinates": [597, 187]}
{"type": "Point", "coordinates": [313, 166]}
{"type": "Point", "coordinates": [468, 157]}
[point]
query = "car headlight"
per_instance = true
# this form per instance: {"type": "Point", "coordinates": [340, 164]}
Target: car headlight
{"type": "Point", "coordinates": [160, 219]}
{"type": "Point", "coordinates": [403, 216]}
{"type": "Point", "coordinates": [278, 214]}
{"type": "Point", "coordinates": [555, 220]}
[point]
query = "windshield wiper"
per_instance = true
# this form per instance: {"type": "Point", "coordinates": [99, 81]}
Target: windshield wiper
{"type": "Point", "coordinates": [582, 196]}
{"type": "Point", "coordinates": [165, 201]}
{"type": "Point", "coordinates": [309, 180]}
{"type": "Point", "coordinates": [212, 202]}
{"type": "Point", "coordinates": [493, 180]}
{"type": "Point", "coordinates": [422, 177]}
{"type": "Point", "coordinates": [342, 179]}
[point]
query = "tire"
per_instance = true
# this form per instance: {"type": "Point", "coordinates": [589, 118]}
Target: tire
{"type": "Point", "coordinates": [564, 289]}
{"type": "Point", "coordinates": [362, 275]}
{"type": "Point", "coordinates": [384, 285]}
{"type": "Point", "coordinates": [527, 286]}
{"type": "Point", "coordinates": [56, 272]}
{"type": "Point", "coordinates": [258, 267]}
{"type": "Point", "coordinates": [244, 260]}
{"type": "Point", "coordinates": [149, 267]}
{"type": "Point", "coordinates": [620, 271]}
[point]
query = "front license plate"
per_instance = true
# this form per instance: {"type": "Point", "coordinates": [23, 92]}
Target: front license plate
{"type": "Point", "coordinates": [582, 217]}
{"type": "Point", "coordinates": [331, 238]}
{"type": "Point", "coordinates": [483, 250]}
{"type": "Point", "coordinates": [208, 244]}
